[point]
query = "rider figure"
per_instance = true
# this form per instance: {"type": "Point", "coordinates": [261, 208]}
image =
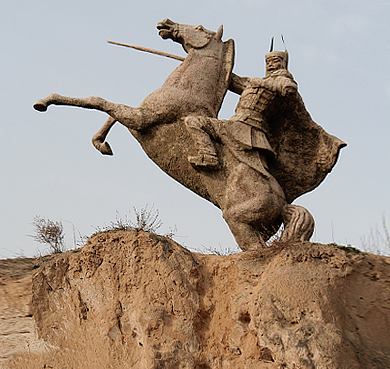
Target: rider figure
{"type": "Point", "coordinates": [248, 128]}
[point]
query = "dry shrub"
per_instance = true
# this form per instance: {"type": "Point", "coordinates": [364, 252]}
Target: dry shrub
{"type": "Point", "coordinates": [377, 242]}
{"type": "Point", "coordinates": [146, 220]}
{"type": "Point", "coordinates": [49, 232]}
{"type": "Point", "coordinates": [221, 251]}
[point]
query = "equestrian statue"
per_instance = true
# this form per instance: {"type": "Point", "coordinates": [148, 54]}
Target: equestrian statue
{"type": "Point", "coordinates": [251, 166]}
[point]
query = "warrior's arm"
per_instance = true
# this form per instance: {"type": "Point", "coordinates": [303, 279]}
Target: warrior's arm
{"type": "Point", "coordinates": [238, 84]}
{"type": "Point", "coordinates": [283, 85]}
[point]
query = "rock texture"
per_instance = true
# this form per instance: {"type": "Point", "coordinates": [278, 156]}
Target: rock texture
{"type": "Point", "coordinates": [17, 328]}
{"type": "Point", "coordinates": [137, 300]}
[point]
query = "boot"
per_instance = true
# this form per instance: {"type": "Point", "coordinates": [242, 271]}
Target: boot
{"type": "Point", "coordinates": [204, 161]}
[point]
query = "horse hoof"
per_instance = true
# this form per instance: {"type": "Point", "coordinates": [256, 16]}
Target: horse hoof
{"type": "Point", "coordinates": [105, 149]}
{"type": "Point", "coordinates": [40, 106]}
{"type": "Point", "coordinates": [298, 223]}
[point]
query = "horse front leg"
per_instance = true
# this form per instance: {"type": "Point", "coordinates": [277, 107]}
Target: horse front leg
{"type": "Point", "coordinates": [91, 102]}
{"type": "Point", "coordinates": [98, 140]}
{"type": "Point", "coordinates": [298, 223]}
{"type": "Point", "coordinates": [132, 118]}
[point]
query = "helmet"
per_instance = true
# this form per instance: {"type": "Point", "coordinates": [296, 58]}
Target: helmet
{"type": "Point", "coordinates": [282, 55]}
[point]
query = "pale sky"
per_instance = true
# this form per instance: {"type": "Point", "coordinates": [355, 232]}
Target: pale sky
{"type": "Point", "coordinates": [339, 55]}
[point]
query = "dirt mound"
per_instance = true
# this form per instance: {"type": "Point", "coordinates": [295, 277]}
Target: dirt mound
{"type": "Point", "coordinates": [17, 328]}
{"type": "Point", "coordinates": [137, 300]}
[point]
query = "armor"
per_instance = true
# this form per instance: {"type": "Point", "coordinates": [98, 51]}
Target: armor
{"type": "Point", "coordinates": [257, 104]}
{"type": "Point", "coordinates": [248, 128]}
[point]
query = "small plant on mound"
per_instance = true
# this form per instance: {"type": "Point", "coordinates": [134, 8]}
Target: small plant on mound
{"type": "Point", "coordinates": [221, 251]}
{"type": "Point", "coordinates": [378, 242]}
{"type": "Point", "coordinates": [347, 248]}
{"type": "Point", "coordinates": [146, 220]}
{"type": "Point", "coordinates": [49, 232]}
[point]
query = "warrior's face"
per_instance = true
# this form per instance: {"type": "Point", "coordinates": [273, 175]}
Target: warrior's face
{"type": "Point", "coordinates": [273, 63]}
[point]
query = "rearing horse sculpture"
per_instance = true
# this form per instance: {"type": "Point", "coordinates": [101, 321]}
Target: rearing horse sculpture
{"type": "Point", "coordinates": [254, 207]}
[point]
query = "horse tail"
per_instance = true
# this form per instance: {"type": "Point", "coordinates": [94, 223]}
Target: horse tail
{"type": "Point", "coordinates": [298, 223]}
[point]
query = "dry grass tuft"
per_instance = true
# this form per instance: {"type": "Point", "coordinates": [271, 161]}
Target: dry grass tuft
{"type": "Point", "coordinates": [378, 241]}
{"type": "Point", "coordinates": [146, 220]}
{"type": "Point", "coordinates": [49, 232]}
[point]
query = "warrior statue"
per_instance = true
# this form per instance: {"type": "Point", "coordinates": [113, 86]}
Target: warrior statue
{"type": "Point", "coordinates": [249, 126]}
{"type": "Point", "coordinates": [246, 135]}
{"type": "Point", "coordinates": [252, 166]}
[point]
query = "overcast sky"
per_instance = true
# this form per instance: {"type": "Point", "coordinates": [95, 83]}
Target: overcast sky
{"type": "Point", "coordinates": [339, 55]}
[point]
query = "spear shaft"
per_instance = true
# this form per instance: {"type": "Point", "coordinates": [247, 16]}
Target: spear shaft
{"type": "Point", "coordinates": [145, 49]}
{"type": "Point", "coordinates": [235, 78]}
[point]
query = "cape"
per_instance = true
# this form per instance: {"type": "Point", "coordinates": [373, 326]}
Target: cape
{"type": "Point", "coordinates": [305, 152]}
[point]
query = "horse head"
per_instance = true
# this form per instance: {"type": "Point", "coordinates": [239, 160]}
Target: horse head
{"type": "Point", "coordinates": [190, 37]}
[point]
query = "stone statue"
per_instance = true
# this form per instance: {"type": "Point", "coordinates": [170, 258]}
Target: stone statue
{"type": "Point", "coordinates": [260, 99]}
{"type": "Point", "coordinates": [252, 166]}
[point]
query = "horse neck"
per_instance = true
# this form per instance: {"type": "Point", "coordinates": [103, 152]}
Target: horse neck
{"type": "Point", "coordinates": [200, 71]}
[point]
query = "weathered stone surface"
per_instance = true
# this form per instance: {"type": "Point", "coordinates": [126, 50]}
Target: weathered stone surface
{"type": "Point", "coordinates": [138, 300]}
{"type": "Point", "coordinates": [17, 328]}
{"type": "Point", "coordinates": [251, 166]}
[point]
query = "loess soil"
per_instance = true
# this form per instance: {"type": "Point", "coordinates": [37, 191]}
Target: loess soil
{"type": "Point", "coordinates": [138, 300]}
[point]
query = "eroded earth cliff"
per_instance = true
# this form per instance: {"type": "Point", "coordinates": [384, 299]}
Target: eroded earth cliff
{"type": "Point", "coordinates": [138, 300]}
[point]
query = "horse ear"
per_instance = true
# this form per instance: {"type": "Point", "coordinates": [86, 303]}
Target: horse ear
{"type": "Point", "coordinates": [218, 35]}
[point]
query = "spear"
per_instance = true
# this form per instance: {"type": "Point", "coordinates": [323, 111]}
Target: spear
{"type": "Point", "coordinates": [234, 77]}
{"type": "Point", "coordinates": [145, 49]}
